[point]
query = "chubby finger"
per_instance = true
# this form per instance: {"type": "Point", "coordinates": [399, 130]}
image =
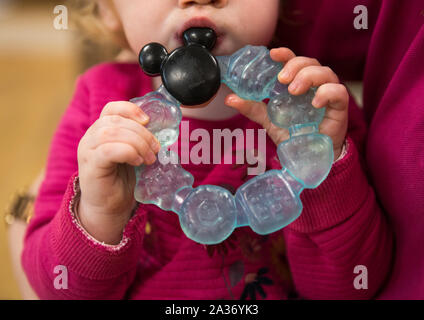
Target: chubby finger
{"type": "Point", "coordinates": [332, 95]}
{"type": "Point", "coordinates": [281, 54]}
{"type": "Point", "coordinates": [257, 112]}
{"type": "Point", "coordinates": [293, 67]}
{"type": "Point", "coordinates": [118, 121]}
{"type": "Point", "coordinates": [125, 109]}
{"type": "Point", "coordinates": [311, 76]}
{"type": "Point", "coordinates": [253, 110]}
{"type": "Point", "coordinates": [108, 154]}
{"type": "Point", "coordinates": [115, 134]}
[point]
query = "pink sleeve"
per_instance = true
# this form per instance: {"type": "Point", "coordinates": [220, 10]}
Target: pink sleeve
{"type": "Point", "coordinates": [54, 243]}
{"type": "Point", "coordinates": [341, 227]}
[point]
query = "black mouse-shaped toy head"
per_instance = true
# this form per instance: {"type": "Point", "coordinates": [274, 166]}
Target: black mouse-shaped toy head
{"type": "Point", "coordinates": [190, 73]}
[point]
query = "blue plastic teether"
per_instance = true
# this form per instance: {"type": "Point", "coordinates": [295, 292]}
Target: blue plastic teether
{"type": "Point", "coordinates": [267, 203]}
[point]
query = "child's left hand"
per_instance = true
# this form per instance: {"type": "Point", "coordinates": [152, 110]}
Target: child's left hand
{"type": "Point", "coordinates": [303, 73]}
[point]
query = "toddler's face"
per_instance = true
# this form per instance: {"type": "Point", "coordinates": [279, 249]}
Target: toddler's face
{"type": "Point", "coordinates": [236, 22]}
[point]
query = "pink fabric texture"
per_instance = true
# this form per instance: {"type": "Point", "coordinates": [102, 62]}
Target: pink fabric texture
{"type": "Point", "coordinates": [389, 58]}
{"type": "Point", "coordinates": [341, 225]}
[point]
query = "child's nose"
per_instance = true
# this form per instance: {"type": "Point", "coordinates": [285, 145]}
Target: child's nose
{"type": "Point", "coordinates": [216, 3]}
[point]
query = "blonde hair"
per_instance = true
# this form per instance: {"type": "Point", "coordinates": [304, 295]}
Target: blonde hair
{"type": "Point", "coordinates": [85, 18]}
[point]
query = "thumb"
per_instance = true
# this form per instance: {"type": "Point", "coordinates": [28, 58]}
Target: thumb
{"type": "Point", "coordinates": [257, 112]}
{"type": "Point", "coordinates": [253, 110]}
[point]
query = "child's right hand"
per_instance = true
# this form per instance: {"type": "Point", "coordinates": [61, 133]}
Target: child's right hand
{"type": "Point", "coordinates": [114, 143]}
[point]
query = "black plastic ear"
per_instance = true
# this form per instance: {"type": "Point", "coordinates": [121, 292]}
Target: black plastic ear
{"type": "Point", "coordinates": [203, 36]}
{"type": "Point", "coordinates": [151, 58]}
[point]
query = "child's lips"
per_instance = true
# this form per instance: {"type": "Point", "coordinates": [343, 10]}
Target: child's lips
{"type": "Point", "coordinates": [200, 22]}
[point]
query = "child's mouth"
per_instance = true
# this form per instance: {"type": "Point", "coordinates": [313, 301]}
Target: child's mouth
{"type": "Point", "coordinates": [200, 22]}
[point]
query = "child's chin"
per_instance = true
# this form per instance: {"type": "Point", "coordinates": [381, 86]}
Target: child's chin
{"type": "Point", "coordinates": [225, 51]}
{"type": "Point", "coordinates": [198, 106]}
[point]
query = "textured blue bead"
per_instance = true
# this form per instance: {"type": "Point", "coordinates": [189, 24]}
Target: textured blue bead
{"type": "Point", "coordinates": [266, 203]}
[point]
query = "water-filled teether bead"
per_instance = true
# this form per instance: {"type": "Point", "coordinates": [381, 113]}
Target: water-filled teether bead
{"type": "Point", "coordinates": [204, 36]}
{"type": "Point", "coordinates": [161, 180]}
{"type": "Point", "coordinates": [250, 72]}
{"type": "Point", "coordinates": [191, 74]}
{"type": "Point", "coordinates": [151, 58]}
{"type": "Point", "coordinates": [208, 215]}
{"type": "Point", "coordinates": [270, 201]}
{"type": "Point", "coordinates": [285, 110]}
{"type": "Point", "coordinates": [164, 115]}
{"type": "Point", "coordinates": [307, 155]}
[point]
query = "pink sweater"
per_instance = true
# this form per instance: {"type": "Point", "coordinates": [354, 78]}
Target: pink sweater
{"type": "Point", "coordinates": [341, 225]}
{"type": "Point", "coordinates": [389, 58]}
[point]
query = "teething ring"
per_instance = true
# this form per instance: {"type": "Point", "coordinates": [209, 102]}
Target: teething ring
{"type": "Point", "coordinates": [266, 203]}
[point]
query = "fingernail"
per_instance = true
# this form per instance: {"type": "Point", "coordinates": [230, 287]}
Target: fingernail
{"type": "Point", "coordinates": [150, 157]}
{"type": "Point", "coordinates": [139, 160]}
{"type": "Point", "coordinates": [231, 99]}
{"type": "Point", "coordinates": [155, 146]}
{"type": "Point", "coordinates": [316, 103]}
{"type": "Point", "coordinates": [284, 75]}
{"type": "Point", "coordinates": [293, 86]}
{"type": "Point", "coordinates": [142, 116]}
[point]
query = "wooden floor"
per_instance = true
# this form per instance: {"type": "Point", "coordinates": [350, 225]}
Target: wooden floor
{"type": "Point", "coordinates": [37, 72]}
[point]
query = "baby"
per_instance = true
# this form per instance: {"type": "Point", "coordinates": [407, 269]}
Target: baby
{"type": "Point", "coordinates": [86, 217]}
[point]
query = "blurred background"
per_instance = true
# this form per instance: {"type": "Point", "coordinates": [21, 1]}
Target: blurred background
{"type": "Point", "coordinates": [38, 69]}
